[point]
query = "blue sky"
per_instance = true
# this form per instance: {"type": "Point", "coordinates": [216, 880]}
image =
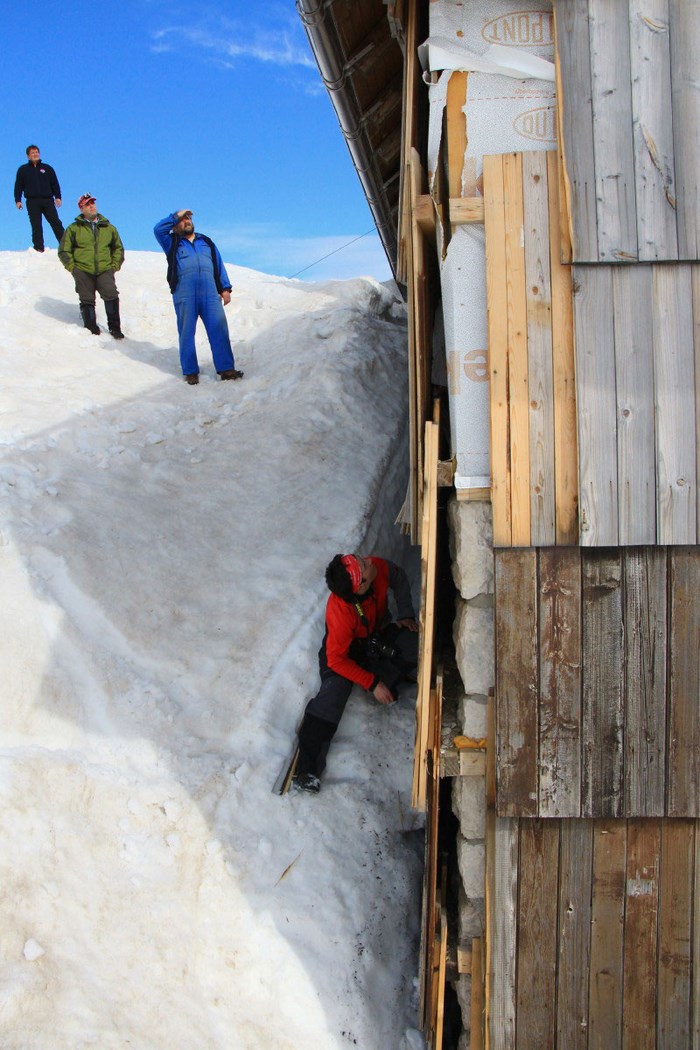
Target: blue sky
{"type": "Point", "coordinates": [153, 106]}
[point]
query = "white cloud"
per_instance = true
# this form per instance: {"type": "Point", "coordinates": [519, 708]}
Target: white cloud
{"type": "Point", "coordinates": [280, 45]}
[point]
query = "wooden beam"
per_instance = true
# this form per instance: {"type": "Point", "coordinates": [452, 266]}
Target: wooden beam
{"type": "Point", "coordinates": [494, 218]}
{"type": "Point", "coordinates": [466, 210]}
{"type": "Point", "coordinates": [424, 215]}
{"type": "Point", "coordinates": [473, 495]}
{"type": "Point", "coordinates": [456, 122]}
{"type": "Point", "coordinates": [476, 1015]}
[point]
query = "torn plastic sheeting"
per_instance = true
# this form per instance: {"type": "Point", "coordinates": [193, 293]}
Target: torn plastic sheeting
{"type": "Point", "coordinates": [502, 115]}
{"type": "Point", "coordinates": [463, 281]}
{"type": "Point", "coordinates": [524, 25]}
{"type": "Point", "coordinates": [497, 59]}
{"type": "Point", "coordinates": [508, 116]}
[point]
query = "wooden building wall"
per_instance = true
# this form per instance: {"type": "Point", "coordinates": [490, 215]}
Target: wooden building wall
{"type": "Point", "coordinates": [598, 682]}
{"type": "Point", "coordinates": [593, 934]}
{"type": "Point", "coordinates": [630, 127]}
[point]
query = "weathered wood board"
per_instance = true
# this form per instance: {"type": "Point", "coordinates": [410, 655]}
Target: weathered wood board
{"type": "Point", "coordinates": [599, 921]}
{"type": "Point", "coordinates": [598, 682]}
{"type": "Point", "coordinates": [629, 123]}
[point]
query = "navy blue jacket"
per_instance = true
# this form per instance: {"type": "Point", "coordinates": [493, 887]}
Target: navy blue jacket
{"type": "Point", "coordinates": [36, 180]}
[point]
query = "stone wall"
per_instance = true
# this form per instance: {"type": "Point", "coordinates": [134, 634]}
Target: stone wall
{"type": "Point", "coordinates": [471, 553]}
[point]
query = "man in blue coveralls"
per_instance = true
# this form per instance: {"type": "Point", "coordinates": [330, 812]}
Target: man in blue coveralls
{"type": "Point", "coordinates": [201, 288]}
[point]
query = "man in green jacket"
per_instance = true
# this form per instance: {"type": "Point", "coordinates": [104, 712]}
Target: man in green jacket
{"type": "Point", "coordinates": [91, 249]}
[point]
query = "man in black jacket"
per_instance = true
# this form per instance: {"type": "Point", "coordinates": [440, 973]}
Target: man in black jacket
{"type": "Point", "coordinates": [39, 184]}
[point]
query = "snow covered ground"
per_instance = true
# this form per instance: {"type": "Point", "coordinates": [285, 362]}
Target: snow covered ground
{"type": "Point", "coordinates": [162, 550]}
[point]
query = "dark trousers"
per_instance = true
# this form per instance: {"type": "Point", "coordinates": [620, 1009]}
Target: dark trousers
{"type": "Point", "coordinates": [325, 710]}
{"type": "Point", "coordinates": [36, 207]}
{"type": "Point", "coordinates": [86, 284]}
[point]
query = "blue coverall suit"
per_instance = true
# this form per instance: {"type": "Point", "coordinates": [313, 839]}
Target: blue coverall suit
{"type": "Point", "coordinates": [196, 296]}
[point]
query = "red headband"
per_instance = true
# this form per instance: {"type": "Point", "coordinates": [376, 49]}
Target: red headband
{"type": "Point", "coordinates": [354, 571]}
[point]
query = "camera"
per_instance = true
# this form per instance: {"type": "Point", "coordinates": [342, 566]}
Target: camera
{"type": "Point", "coordinates": [376, 646]}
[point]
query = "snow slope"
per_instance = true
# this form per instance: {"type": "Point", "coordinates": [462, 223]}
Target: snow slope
{"type": "Point", "coordinates": [162, 550]}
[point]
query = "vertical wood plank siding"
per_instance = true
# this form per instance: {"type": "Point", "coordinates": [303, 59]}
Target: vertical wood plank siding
{"type": "Point", "coordinates": [637, 347]}
{"type": "Point", "coordinates": [634, 333]}
{"type": "Point", "coordinates": [630, 125]}
{"type": "Point", "coordinates": [531, 359]}
{"type": "Point", "coordinates": [611, 99]}
{"type": "Point", "coordinates": [598, 682]}
{"type": "Point", "coordinates": [601, 921]}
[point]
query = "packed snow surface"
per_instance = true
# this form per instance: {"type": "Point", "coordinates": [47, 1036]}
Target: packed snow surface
{"type": "Point", "coordinates": [162, 550]}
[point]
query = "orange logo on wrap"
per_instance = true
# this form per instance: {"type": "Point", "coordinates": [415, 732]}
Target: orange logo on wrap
{"type": "Point", "coordinates": [537, 124]}
{"type": "Point", "coordinates": [521, 29]}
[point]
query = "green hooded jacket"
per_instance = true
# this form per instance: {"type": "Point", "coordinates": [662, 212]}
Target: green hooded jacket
{"type": "Point", "coordinates": [92, 247]}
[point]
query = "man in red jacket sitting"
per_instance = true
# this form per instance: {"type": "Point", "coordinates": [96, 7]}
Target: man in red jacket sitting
{"type": "Point", "coordinates": [360, 647]}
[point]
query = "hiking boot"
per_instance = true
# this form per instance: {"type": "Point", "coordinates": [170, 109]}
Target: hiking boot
{"type": "Point", "coordinates": [192, 379]}
{"type": "Point", "coordinates": [113, 320]}
{"type": "Point", "coordinates": [307, 782]}
{"type": "Point", "coordinates": [231, 373]}
{"type": "Point", "coordinates": [89, 320]}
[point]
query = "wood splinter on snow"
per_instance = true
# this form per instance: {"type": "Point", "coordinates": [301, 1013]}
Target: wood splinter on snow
{"type": "Point", "coordinates": [289, 868]}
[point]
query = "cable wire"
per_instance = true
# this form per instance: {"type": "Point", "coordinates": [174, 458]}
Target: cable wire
{"type": "Point", "coordinates": [334, 252]}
